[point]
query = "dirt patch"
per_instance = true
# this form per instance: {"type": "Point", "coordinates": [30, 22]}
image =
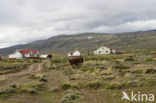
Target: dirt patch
{"type": "Point", "coordinates": [33, 68]}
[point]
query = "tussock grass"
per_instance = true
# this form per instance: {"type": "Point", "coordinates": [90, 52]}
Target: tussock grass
{"type": "Point", "coordinates": [70, 98]}
{"type": "Point", "coordinates": [152, 71]}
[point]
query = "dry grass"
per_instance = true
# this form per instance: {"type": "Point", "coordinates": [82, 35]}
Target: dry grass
{"type": "Point", "coordinates": [101, 79]}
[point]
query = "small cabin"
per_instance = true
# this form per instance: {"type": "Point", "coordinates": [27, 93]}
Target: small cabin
{"type": "Point", "coordinates": [104, 50]}
{"type": "Point", "coordinates": [74, 54]}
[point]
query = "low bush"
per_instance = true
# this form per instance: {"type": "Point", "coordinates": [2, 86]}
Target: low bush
{"type": "Point", "coordinates": [130, 59]}
{"type": "Point", "coordinates": [112, 85]}
{"type": "Point", "coordinates": [43, 79]}
{"type": "Point", "coordinates": [120, 66]}
{"type": "Point", "coordinates": [88, 68]}
{"type": "Point", "coordinates": [138, 71]}
{"type": "Point", "coordinates": [30, 88]}
{"type": "Point", "coordinates": [9, 91]}
{"type": "Point", "coordinates": [13, 85]}
{"type": "Point", "coordinates": [149, 59]}
{"type": "Point", "coordinates": [95, 84]}
{"type": "Point", "coordinates": [150, 71]}
{"type": "Point", "coordinates": [60, 60]}
{"type": "Point", "coordinates": [68, 72]}
{"type": "Point", "coordinates": [133, 84]}
{"type": "Point", "coordinates": [54, 89]}
{"type": "Point", "coordinates": [70, 97]}
{"type": "Point", "coordinates": [88, 58]}
{"type": "Point", "coordinates": [65, 86]}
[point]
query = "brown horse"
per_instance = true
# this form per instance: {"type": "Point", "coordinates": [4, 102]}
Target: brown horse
{"type": "Point", "coordinates": [76, 62]}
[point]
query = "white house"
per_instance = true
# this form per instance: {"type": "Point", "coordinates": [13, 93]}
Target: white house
{"type": "Point", "coordinates": [16, 55]}
{"type": "Point", "coordinates": [76, 53]}
{"type": "Point", "coordinates": [104, 50]}
{"type": "Point", "coordinates": [25, 53]}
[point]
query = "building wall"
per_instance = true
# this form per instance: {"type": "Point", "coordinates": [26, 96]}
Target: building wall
{"type": "Point", "coordinates": [19, 55]}
{"type": "Point", "coordinates": [76, 53]}
{"type": "Point", "coordinates": [44, 56]}
{"type": "Point", "coordinates": [36, 55]}
{"type": "Point", "coordinates": [27, 55]}
{"type": "Point", "coordinates": [16, 55]}
{"type": "Point", "coordinates": [102, 50]}
{"type": "Point", "coordinates": [113, 51]}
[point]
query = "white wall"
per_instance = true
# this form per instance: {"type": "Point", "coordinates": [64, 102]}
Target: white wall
{"type": "Point", "coordinates": [76, 53]}
{"type": "Point", "coordinates": [27, 55]}
{"type": "Point", "coordinates": [44, 56]}
{"type": "Point", "coordinates": [102, 50]}
{"type": "Point", "coordinates": [36, 55]}
{"type": "Point", "coordinates": [113, 51]}
{"type": "Point", "coordinates": [16, 55]}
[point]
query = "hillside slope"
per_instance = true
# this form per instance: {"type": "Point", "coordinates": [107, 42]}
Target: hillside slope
{"type": "Point", "coordinates": [67, 43]}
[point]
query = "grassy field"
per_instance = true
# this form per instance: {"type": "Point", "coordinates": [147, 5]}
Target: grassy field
{"type": "Point", "coordinates": [101, 79]}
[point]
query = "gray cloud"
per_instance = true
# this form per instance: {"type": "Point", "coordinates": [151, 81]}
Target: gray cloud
{"type": "Point", "coordinates": [23, 21]}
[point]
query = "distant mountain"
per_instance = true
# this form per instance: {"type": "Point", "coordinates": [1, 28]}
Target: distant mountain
{"type": "Point", "coordinates": [68, 43]}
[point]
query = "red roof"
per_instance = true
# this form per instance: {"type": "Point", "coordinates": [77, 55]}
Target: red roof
{"type": "Point", "coordinates": [35, 51]}
{"type": "Point", "coordinates": [155, 56]}
{"type": "Point", "coordinates": [28, 51]}
{"type": "Point", "coordinates": [25, 51]}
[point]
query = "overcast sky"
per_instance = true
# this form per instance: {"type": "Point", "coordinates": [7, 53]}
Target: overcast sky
{"type": "Point", "coordinates": [23, 21]}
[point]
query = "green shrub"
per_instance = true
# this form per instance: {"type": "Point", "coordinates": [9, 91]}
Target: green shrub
{"type": "Point", "coordinates": [152, 71]}
{"type": "Point", "coordinates": [133, 84]}
{"type": "Point", "coordinates": [130, 59]}
{"type": "Point", "coordinates": [149, 59]}
{"type": "Point", "coordinates": [65, 86]}
{"type": "Point", "coordinates": [68, 72]}
{"type": "Point", "coordinates": [119, 66]}
{"type": "Point", "coordinates": [13, 86]}
{"type": "Point", "coordinates": [31, 88]}
{"type": "Point", "coordinates": [6, 93]}
{"type": "Point", "coordinates": [88, 58]}
{"type": "Point", "coordinates": [35, 60]}
{"type": "Point", "coordinates": [112, 86]}
{"type": "Point", "coordinates": [151, 82]}
{"type": "Point", "coordinates": [43, 79]}
{"type": "Point", "coordinates": [60, 60]}
{"type": "Point", "coordinates": [32, 91]}
{"type": "Point", "coordinates": [54, 89]}
{"type": "Point", "coordinates": [88, 68]}
{"type": "Point", "coordinates": [94, 85]}
{"type": "Point", "coordinates": [137, 71]}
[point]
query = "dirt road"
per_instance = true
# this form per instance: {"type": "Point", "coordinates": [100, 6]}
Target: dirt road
{"type": "Point", "coordinates": [33, 68]}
